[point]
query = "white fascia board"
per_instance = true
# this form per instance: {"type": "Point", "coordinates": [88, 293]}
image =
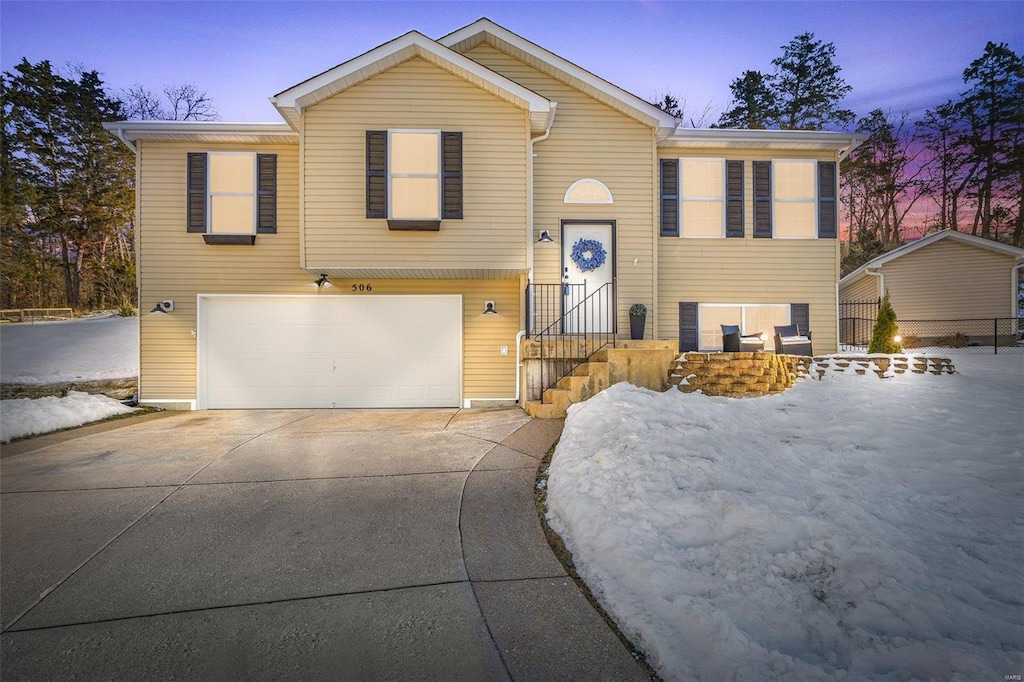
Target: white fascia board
{"type": "Point", "coordinates": [198, 130]}
{"type": "Point", "coordinates": [414, 43]}
{"type": "Point", "coordinates": [643, 110]}
{"type": "Point", "coordinates": [766, 139]}
{"type": "Point", "coordinates": [900, 251]}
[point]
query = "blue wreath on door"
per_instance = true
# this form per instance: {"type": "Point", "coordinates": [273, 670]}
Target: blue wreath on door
{"type": "Point", "coordinates": [588, 254]}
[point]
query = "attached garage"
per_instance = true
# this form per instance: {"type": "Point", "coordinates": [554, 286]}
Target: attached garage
{"type": "Point", "coordinates": [329, 351]}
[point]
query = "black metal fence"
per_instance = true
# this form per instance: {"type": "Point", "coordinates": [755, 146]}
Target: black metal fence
{"type": "Point", "coordinates": [856, 320]}
{"type": "Point", "coordinates": [977, 336]}
{"type": "Point", "coordinates": [570, 326]}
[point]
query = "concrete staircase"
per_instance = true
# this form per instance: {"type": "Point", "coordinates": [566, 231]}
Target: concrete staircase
{"type": "Point", "coordinates": [587, 380]}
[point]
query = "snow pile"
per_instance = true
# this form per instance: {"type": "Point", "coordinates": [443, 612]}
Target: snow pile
{"type": "Point", "coordinates": [848, 528]}
{"type": "Point", "coordinates": [24, 417]}
{"type": "Point", "coordinates": [83, 349]}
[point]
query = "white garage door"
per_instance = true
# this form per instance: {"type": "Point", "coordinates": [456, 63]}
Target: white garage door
{"type": "Point", "coordinates": [329, 351]}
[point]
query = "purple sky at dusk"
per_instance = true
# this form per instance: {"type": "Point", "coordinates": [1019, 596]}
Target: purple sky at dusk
{"type": "Point", "coordinates": [898, 55]}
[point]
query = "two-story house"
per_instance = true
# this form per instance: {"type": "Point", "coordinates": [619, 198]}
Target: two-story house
{"type": "Point", "coordinates": [426, 205]}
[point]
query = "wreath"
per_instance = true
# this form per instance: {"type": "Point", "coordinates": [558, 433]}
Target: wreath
{"type": "Point", "coordinates": [588, 254]}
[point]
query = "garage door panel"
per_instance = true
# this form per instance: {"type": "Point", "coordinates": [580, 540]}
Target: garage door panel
{"type": "Point", "coordinates": [337, 351]}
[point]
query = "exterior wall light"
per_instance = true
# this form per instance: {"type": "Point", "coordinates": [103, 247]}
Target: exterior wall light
{"type": "Point", "coordinates": [165, 306]}
{"type": "Point", "coordinates": [545, 237]}
{"type": "Point", "coordinates": [323, 282]}
{"type": "Point", "coordinates": [489, 308]}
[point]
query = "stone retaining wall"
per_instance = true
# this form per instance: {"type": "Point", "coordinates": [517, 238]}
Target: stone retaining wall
{"type": "Point", "coordinates": [749, 375]}
{"type": "Point", "coordinates": [737, 375]}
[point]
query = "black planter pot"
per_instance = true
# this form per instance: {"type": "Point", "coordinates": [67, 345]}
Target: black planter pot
{"type": "Point", "coordinates": [636, 326]}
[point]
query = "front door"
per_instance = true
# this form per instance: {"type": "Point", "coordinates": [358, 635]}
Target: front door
{"type": "Point", "coordinates": [588, 263]}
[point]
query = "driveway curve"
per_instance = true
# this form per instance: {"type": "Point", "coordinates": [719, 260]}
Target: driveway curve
{"type": "Point", "coordinates": [297, 544]}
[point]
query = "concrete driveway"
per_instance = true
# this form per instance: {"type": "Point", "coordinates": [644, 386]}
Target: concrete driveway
{"type": "Point", "coordinates": [298, 544]}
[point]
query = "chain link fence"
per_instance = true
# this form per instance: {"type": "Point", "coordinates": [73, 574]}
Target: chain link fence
{"type": "Point", "coordinates": [978, 336]}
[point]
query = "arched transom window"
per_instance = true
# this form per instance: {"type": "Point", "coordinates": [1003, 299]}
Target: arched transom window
{"type": "Point", "coordinates": [588, 191]}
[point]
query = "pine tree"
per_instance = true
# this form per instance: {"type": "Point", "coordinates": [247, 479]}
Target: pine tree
{"type": "Point", "coordinates": [883, 336]}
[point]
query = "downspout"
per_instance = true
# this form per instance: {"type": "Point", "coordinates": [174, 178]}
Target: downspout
{"type": "Point", "coordinates": [529, 188]}
{"type": "Point", "coordinates": [519, 361]}
{"type": "Point", "coordinates": [529, 234]}
{"type": "Point", "coordinates": [126, 143]}
{"type": "Point", "coordinates": [881, 280]}
{"type": "Point", "coordinates": [1014, 303]}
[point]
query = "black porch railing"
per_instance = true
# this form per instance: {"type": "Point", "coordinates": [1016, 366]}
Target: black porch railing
{"type": "Point", "coordinates": [569, 325]}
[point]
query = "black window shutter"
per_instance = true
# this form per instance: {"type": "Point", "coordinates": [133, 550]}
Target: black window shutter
{"type": "Point", "coordinates": [451, 145]}
{"type": "Point", "coordinates": [266, 190]}
{"type": "Point", "coordinates": [197, 192]}
{"type": "Point", "coordinates": [828, 218]}
{"type": "Point", "coordinates": [669, 198]}
{"type": "Point", "coordinates": [800, 315]}
{"type": "Point", "coordinates": [734, 198]}
{"type": "Point", "coordinates": [688, 331]}
{"type": "Point", "coordinates": [376, 174]}
{"type": "Point", "coordinates": [763, 199]}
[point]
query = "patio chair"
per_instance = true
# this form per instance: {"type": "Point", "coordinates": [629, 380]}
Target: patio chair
{"type": "Point", "coordinates": [734, 342]}
{"type": "Point", "coordinates": [789, 341]}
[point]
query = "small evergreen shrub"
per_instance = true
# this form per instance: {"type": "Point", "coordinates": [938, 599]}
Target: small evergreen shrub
{"type": "Point", "coordinates": [637, 310]}
{"type": "Point", "coordinates": [882, 336]}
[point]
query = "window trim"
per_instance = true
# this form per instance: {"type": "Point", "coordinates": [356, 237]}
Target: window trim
{"type": "Point", "coordinates": [210, 194]}
{"type": "Point", "coordinates": [439, 175]}
{"type": "Point", "coordinates": [743, 309]}
{"type": "Point", "coordinates": [721, 198]}
{"type": "Point", "coordinates": [812, 200]}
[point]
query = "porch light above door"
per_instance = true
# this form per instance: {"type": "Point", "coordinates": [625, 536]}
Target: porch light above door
{"type": "Point", "coordinates": [545, 237]}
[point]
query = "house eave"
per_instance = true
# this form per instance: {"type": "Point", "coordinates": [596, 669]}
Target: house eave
{"type": "Point", "coordinates": [485, 30]}
{"type": "Point", "coordinates": [900, 251]}
{"type": "Point", "coordinates": [732, 138]}
{"type": "Point", "coordinates": [203, 131]}
{"type": "Point", "coordinates": [290, 103]}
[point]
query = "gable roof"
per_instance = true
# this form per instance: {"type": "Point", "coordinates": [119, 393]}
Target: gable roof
{"type": "Point", "coordinates": [292, 101]}
{"type": "Point", "coordinates": [934, 237]}
{"type": "Point", "coordinates": [485, 30]}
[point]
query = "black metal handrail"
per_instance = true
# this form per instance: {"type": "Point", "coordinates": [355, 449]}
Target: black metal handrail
{"type": "Point", "coordinates": [583, 325]}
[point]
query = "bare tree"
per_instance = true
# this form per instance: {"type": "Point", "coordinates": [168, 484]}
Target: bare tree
{"type": "Point", "coordinates": [183, 102]}
{"type": "Point", "coordinates": [671, 104]}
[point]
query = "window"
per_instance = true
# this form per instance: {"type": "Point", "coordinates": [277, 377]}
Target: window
{"type": "Point", "coordinates": [232, 189]}
{"type": "Point", "coordinates": [232, 196]}
{"type": "Point", "coordinates": [752, 319]}
{"type": "Point", "coordinates": [588, 191]}
{"type": "Point", "coordinates": [413, 177]}
{"type": "Point", "coordinates": [793, 198]}
{"type": "Point", "coordinates": [702, 197]}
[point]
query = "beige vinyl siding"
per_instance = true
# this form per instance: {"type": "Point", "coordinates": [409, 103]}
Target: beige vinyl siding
{"type": "Point", "coordinates": [589, 140]}
{"type": "Point", "coordinates": [948, 280]}
{"type": "Point", "coordinates": [415, 95]}
{"type": "Point", "coordinates": [174, 264]}
{"type": "Point", "coordinates": [748, 270]}
{"type": "Point", "coordinates": [865, 288]}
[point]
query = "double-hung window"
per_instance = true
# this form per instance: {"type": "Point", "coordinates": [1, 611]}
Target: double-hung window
{"type": "Point", "coordinates": [414, 174]}
{"type": "Point", "coordinates": [413, 177]}
{"type": "Point", "coordinates": [232, 196]}
{"type": "Point", "coordinates": [794, 201]}
{"type": "Point", "coordinates": [702, 197]}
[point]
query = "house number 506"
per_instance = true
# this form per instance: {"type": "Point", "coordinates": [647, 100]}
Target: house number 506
{"type": "Point", "coordinates": [362, 287]}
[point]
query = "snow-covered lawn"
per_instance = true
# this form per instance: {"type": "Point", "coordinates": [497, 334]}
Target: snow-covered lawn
{"type": "Point", "coordinates": [84, 349]}
{"type": "Point", "coordinates": [850, 528]}
{"type": "Point", "coordinates": [24, 417]}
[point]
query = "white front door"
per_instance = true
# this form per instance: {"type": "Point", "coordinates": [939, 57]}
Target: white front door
{"type": "Point", "coordinates": [588, 263]}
